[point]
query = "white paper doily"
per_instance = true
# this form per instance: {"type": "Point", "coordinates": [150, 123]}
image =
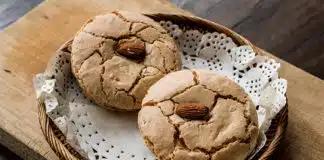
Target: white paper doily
{"type": "Point", "coordinates": [103, 134]}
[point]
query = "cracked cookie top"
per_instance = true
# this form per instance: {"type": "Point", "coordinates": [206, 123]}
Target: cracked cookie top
{"type": "Point", "coordinates": [117, 56]}
{"type": "Point", "coordinates": [198, 115]}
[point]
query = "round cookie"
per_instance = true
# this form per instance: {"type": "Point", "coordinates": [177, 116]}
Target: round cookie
{"type": "Point", "coordinates": [117, 56]}
{"type": "Point", "coordinates": [198, 115]}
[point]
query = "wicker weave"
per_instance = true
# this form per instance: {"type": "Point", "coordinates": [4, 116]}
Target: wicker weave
{"type": "Point", "coordinates": [275, 133]}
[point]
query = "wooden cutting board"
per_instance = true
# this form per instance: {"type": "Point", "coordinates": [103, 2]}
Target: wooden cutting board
{"type": "Point", "coordinates": [27, 45]}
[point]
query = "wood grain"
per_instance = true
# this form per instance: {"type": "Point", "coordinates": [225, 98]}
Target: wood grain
{"type": "Point", "coordinates": [27, 45]}
{"type": "Point", "coordinates": [290, 29]}
{"type": "Point", "coordinates": [11, 10]}
{"type": "Point", "coordinates": [304, 137]}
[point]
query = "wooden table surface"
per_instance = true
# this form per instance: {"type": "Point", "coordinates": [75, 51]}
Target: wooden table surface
{"type": "Point", "coordinates": [27, 45]}
{"type": "Point", "coordinates": [290, 29]}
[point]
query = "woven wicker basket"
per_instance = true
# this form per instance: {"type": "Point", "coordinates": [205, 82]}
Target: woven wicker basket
{"type": "Point", "coordinates": [57, 140]}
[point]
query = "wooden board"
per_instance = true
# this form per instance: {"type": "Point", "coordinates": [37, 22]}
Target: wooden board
{"type": "Point", "coordinates": [27, 45]}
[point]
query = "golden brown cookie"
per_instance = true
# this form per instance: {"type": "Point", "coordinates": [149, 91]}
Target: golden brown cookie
{"type": "Point", "coordinates": [198, 115]}
{"type": "Point", "coordinates": [117, 56]}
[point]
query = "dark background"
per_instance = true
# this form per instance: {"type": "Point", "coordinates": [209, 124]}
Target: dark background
{"type": "Point", "coordinates": [290, 29]}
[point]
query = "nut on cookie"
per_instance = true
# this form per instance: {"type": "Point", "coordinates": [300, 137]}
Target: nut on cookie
{"type": "Point", "coordinates": [198, 115]}
{"type": "Point", "coordinates": [117, 56]}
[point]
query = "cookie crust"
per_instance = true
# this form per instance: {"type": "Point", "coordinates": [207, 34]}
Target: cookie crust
{"type": "Point", "coordinates": [111, 79]}
{"type": "Point", "coordinates": [230, 132]}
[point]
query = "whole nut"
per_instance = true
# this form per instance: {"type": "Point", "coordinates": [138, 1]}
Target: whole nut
{"type": "Point", "coordinates": [194, 111]}
{"type": "Point", "coordinates": [132, 50]}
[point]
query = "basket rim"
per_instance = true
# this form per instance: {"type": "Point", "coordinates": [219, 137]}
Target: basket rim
{"type": "Point", "coordinates": [63, 152]}
{"type": "Point", "coordinates": [61, 148]}
{"type": "Point", "coordinates": [210, 25]}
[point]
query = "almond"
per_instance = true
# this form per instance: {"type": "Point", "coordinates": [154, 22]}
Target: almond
{"type": "Point", "coordinates": [194, 111]}
{"type": "Point", "coordinates": [132, 50]}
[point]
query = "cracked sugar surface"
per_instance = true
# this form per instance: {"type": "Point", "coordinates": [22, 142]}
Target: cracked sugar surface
{"type": "Point", "coordinates": [110, 79]}
{"type": "Point", "coordinates": [230, 132]}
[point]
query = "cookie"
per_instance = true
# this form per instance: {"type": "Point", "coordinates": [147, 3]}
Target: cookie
{"type": "Point", "coordinates": [198, 115]}
{"type": "Point", "coordinates": [117, 56]}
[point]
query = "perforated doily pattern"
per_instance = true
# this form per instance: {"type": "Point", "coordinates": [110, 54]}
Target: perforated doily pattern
{"type": "Point", "coordinates": [103, 134]}
{"type": "Point", "coordinates": [84, 123]}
